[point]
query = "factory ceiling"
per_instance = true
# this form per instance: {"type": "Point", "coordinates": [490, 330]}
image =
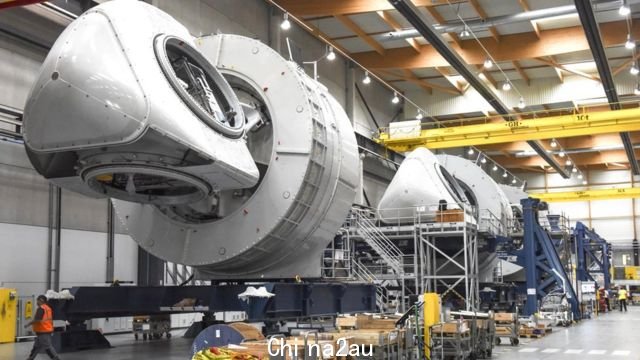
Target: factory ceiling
{"type": "Point", "coordinates": [535, 46]}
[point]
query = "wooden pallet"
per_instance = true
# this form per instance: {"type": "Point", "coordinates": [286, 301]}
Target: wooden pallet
{"type": "Point", "coordinates": [531, 336]}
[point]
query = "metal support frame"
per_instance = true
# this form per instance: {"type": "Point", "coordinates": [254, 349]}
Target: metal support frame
{"type": "Point", "coordinates": [110, 242]}
{"type": "Point", "coordinates": [592, 32]}
{"type": "Point", "coordinates": [461, 266]}
{"type": "Point", "coordinates": [593, 254]}
{"type": "Point", "coordinates": [544, 270]}
{"type": "Point", "coordinates": [428, 31]}
{"type": "Point", "coordinates": [54, 231]}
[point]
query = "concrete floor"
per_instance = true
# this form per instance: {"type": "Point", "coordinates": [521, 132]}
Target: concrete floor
{"type": "Point", "coordinates": [610, 336]}
{"type": "Point", "coordinates": [124, 348]}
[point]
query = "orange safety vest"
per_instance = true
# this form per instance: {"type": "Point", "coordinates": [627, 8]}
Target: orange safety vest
{"type": "Point", "coordinates": [46, 324]}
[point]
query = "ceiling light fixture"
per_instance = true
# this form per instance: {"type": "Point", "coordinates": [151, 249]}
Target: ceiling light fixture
{"type": "Point", "coordinates": [624, 9]}
{"type": "Point", "coordinates": [553, 143]}
{"type": "Point", "coordinates": [561, 154]}
{"type": "Point", "coordinates": [506, 86]}
{"type": "Point", "coordinates": [574, 170]}
{"type": "Point", "coordinates": [514, 181]}
{"type": "Point", "coordinates": [471, 151]}
{"type": "Point", "coordinates": [569, 162]}
{"type": "Point", "coordinates": [419, 116]}
{"type": "Point", "coordinates": [505, 175]}
{"type": "Point", "coordinates": [634, 70]}
{"type": "Point", "coordinates": [488, 64]}
{"type": "Point", "coordinates": [366, 80]}
{"type": "Point", "coordinates": [580, 176]}
{"type": "Point", "coordinates": [494, 168]}
{"type": "Point", "coordinates": [395, 98]}
{"type": "Point", "coordinates": [629, 44]}
{"type": "Point", "coordinates": [331, 55]}
{"type": "Point", "coordinates": [636, 91]}
{"type": "Point", "coordinates": [483, 160]}
{"type": "Point", "coordinates": [584, 182]}
{"type": "Point", "coordinates": [286, 24]}
{"type": "Point", "coordinates": [465, 32]}
{"type": "Point", "coordinates": [521, 104]}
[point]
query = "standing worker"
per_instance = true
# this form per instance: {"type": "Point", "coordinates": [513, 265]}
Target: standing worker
{"type": "Point", "coordinates": [622, 296]}
{"type": "Point", "coordinates": [606, 300]}
{"type": "Point", "coordinates": [43, 327]}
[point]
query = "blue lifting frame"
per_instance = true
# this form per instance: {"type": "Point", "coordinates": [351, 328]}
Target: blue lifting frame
{"type": "Point", "coordinates": [544, 270]}
{"type": "Point", "coordinates": [591, 250]}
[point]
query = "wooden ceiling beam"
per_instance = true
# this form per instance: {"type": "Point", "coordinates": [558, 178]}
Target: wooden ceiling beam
{"type": "Point", "coordinates": [525, 6]}
{"type": "Point", "coordinates": [487, 76]}
{"type": "Point", "coordinates": [414, 79]}
{"type": "Point", "coordinates": [410, 76]}
{"type": "Point", "coordinates": [579, 159]}
{"type": "Point", "coordinates": [551, 62]}
{"type": "Point", "coordinates": [315, 8]}
{"type": "Point", "coordinates": [511, 47]}
{"type": "Point", "coordinates": [521, 71]}
{"type": "Point", "coordinates": [437, 17]}
{"type": "Point", "coordinates": [625, 64]}
{"type": "Point", "coordinates": [483, 15]}
{"type": "Point", "coordinates": [346, 21]}
{"type": "Point", "coordinates": [393, 24]}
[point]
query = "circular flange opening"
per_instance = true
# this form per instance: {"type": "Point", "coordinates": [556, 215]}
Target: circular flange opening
{"type": "Point", "coordinates": [145, 184]}
{"type": "Point", "coordinates": [200, 85]}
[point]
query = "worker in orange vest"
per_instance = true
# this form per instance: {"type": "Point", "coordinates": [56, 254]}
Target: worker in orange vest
{"type": "Point", "coordinates": [43, 327]}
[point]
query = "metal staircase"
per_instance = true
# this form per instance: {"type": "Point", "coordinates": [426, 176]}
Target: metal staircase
{"type": "Point", "coordinates": [379, 242]}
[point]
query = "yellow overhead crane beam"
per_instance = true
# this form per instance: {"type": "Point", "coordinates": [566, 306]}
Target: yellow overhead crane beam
{"type": "Point", "coordinates": [588, 195]}
{"type": "Point", "coordinates": [399, 138]}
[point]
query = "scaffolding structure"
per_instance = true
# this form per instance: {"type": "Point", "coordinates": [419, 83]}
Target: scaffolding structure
{"type": "Point", "coordinates": [407, 252]}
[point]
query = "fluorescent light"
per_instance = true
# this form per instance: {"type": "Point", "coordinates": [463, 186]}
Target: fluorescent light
{"type": "Point", "coordinates": [366, 80]}
{"type": "Point", "coordinates": [331, 55]}
{"type": "Point", "coordinates": [286, 24]}
{"type": "Point", "coordinates": [488, 64]}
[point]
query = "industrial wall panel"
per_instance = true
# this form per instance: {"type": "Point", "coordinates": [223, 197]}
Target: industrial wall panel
{"type": "Point", "coordinates": [614, 230]}
{"type": "Point", "coordinates": [23, 262]}
{"type": "Point", "coordinates": [611, 208]}
{"type": "Point", "coordinates": [17, 73]}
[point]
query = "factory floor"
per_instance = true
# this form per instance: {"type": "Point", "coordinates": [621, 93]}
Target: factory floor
{"type": "Point", "coordinates": [609, 336]}
{"type": "Point", "coordinates": [124, 348]}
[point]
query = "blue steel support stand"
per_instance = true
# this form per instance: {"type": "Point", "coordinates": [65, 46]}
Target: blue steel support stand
{"type": "Point", "coordinates": [591, 249]}
{"type": "Point", "coordinates": [544, 270]}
